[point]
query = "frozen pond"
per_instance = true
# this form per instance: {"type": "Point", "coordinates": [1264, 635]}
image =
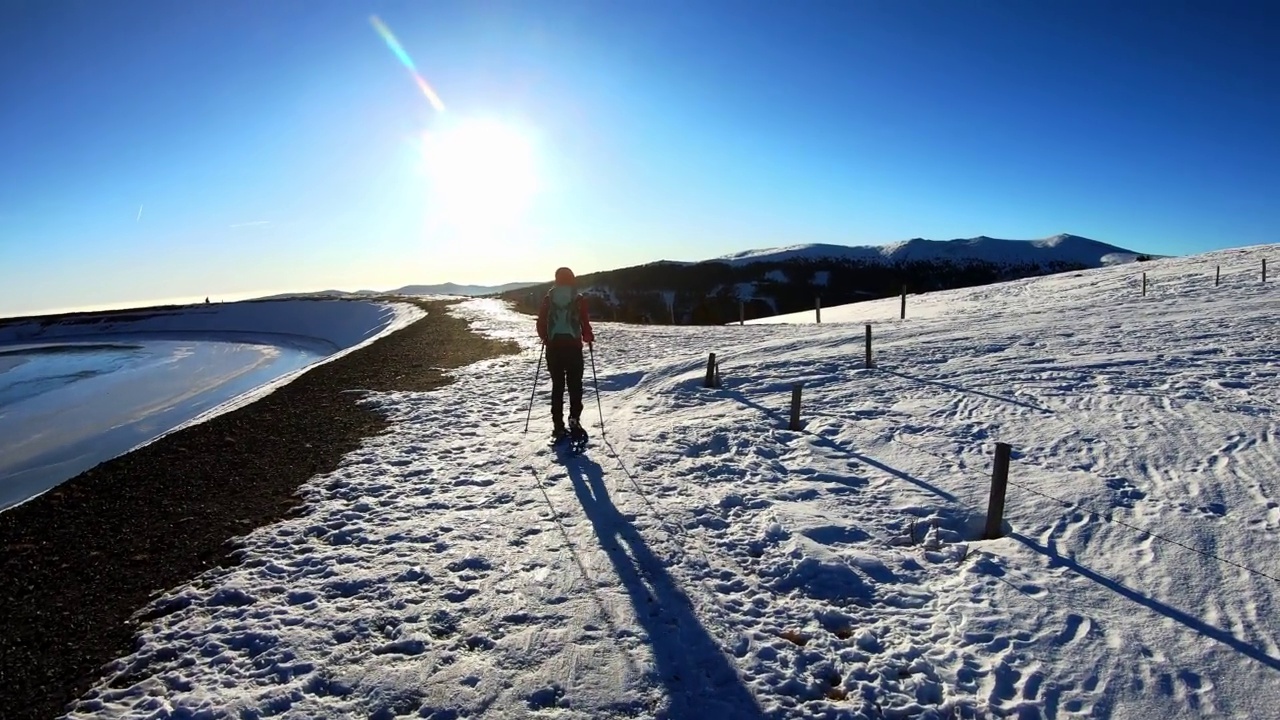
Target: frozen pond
{"type": "Point", "coordinates": [66, 406]}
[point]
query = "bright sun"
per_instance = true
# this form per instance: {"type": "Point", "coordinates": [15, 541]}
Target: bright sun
{"type": "Point", "coordinates": [483, 174]}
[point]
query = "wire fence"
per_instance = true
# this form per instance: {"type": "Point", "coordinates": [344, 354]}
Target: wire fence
{"type": "Point", "coordinates": [973, 498]}
{"type": "Point", "coordinates": [1105, 516]}
{"type": "Point", "coordinates": [1109, 518]}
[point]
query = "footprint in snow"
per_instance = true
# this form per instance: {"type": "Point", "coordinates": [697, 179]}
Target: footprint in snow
{"type": "Point", "coordinates": [479, 642]}
{"type": "Point", "coordinates": [471, 562]}
{"type": "Point", "coordinates": [1075, 627]}
{"type": "Point", "coordinates": [347, 588]}
{"type": "Point", "coordinates": [1006, 685]}
{"type": "Point", "coordinates": [545, 698]}
{"type": "Point", "coordinates": [835, 535]}
{"type": "Point", "coordinates": [458, 595]}
{"type": "Point", "coordinates": [401, 647]}
{"type": "Point", "coordinates": [1127, 493]}
{"type": "Point", "coordinates": [1213, 509]}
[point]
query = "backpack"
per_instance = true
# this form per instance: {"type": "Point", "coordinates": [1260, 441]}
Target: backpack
{"type": "Point", "coordinates": [563, 313]}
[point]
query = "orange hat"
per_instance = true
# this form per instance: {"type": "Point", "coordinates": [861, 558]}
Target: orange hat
{"type": "Point", "coordinates": [564, 276]}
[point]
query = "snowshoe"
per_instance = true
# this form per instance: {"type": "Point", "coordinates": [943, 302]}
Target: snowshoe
{"type": "Point", "coordinates": [559, 437]}
{"type": "Point", "coordinates": [577, 436]}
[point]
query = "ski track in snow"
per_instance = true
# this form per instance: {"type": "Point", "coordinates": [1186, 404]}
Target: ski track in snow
{"type": "Point", "coordinates": [703, 561]}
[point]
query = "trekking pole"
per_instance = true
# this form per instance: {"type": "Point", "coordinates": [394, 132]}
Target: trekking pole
{"type": "Point", "coordinates": [536, 369]}
{"type": "Point", "coordinates": [596, 383]}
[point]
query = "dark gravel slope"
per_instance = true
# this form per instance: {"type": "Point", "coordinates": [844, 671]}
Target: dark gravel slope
{"type": "Point", "coordinates": [79, 561]}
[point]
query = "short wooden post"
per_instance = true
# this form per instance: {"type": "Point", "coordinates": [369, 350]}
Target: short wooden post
{"type": "Point", "coordinates": [742, 313]}
{"type": "Point", "coordinates": [1144, 284]}
{"type": "Point", "coordinates": [902, 315]}
{"type": "Point", "coordinates": [817, 309]}
{"type": "Point", "coordinates": [869, 364]}
{"type": "Point", "coordinates": [1264, 269]}
{"type": "Point", "coordinates": [795, 405]}
{"type": "Point", "coordinates": [711, 371]}
{"type": "Point", "coordinates": [1217, 275]}
{"type": "Point", "coordinates": [999, 483]}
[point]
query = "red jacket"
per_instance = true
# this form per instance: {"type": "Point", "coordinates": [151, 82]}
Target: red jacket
{"type": "Point", "coordinates": [588, 336]}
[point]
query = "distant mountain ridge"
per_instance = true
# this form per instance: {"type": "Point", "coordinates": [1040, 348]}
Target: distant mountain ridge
{"type": "Point", "coordinates": [788, 279]}
{"type": "Point", "coordinates": [440, 289]}
{"type": "Point", "coordinates": [1059, 248]}
{"type": "Point", "coordinates": [456, 289]}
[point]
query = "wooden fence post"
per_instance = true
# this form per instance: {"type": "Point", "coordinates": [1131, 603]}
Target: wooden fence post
{"type": "Point", "coordinates": [1144, 284]}
{"type": "Point", "coordinates": [1217, 275]}
{"type": "Point", "coordinates": [742, 313]}
{"type": "Point", "coordinates": [999, 483]}
{"type": "Point", "coordinates": [795, 405]}
{"type": "Point", "coordinates": [817, 308]}
{"type": "Point", "coordinates": [711, 371]}
{"type": "Point", "coordinates": [902, 315]}
{"type": "Point", "coordinates": [1264, 269]}
{"type": "Point", "coordinates": [869, 363]}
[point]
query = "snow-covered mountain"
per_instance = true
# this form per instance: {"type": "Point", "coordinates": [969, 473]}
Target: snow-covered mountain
{"type": "Point", "coordinates": [1064, 248]}
{"type": "Point", "coordinates": [320, 294]}
{"type": "Point", "coordinates": [760, 283]}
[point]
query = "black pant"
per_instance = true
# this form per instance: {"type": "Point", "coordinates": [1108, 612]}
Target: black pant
{"type": "Point", "coordinates": [564, 362]}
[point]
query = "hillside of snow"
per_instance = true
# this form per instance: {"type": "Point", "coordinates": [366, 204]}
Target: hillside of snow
{"type": "Point", "coordinates": [760, 283]}
{"type": "Point", "coordinates": [1064, 248]}
{"type": "Point", "coordinates": [702, 560]}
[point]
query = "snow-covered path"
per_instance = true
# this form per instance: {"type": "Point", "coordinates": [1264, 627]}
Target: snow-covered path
{"type": "Point", "coordinates": [703, 561]}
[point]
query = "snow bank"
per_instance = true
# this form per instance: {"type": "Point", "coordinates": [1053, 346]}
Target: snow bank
{"type": "Point", "coordinates": [76, 391]}
{"type": "Point", "coordinates": [333, 324]}
{"type": "Point", "coordinates": [1112, 285]}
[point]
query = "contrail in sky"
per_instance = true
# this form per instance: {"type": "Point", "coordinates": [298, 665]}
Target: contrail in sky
{"type": "Point", "coordinates": [407, 61]}
{"type": "Point", "coordinates": [139, 214]}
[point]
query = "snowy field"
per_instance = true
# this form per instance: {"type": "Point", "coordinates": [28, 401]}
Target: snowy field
{"type": "Point", "coordinates": [73, 394]}
{"type": "Point", "coordinates": [702, 561]}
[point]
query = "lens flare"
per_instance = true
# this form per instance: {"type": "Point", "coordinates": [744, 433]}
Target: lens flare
{"type": "Point", "coordinates": [407, 61]}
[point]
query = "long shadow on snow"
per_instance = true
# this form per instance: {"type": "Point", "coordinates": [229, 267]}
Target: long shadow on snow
{"type": "Point", "coordinates": [776, 415]}
{"type": "Point", "coordinates": [700, 680]}
{"type": "Point", "coordinates": [958, 388]}
{"type": "Point", "coordinates": [859, 457]}
{"type": "Point", "coordinates": [1194, 623]}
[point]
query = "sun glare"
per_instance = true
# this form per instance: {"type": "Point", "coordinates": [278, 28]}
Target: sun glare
{"type": "Point", "coordinates": [483, 174]}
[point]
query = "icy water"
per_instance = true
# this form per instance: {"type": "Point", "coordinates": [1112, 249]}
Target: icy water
{"type": "Point", "coordinates": [66, 407]}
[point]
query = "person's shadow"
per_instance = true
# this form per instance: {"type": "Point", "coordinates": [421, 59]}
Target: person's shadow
{"type": "Point", "coordinates": [701, 682]}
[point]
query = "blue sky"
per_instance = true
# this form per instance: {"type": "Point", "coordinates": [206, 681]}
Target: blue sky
{"type": "Point", "coordinates": [155, 150]}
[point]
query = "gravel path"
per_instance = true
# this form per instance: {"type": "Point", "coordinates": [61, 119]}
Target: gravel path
{"type": "Point", "coordinates": [79, 561]}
